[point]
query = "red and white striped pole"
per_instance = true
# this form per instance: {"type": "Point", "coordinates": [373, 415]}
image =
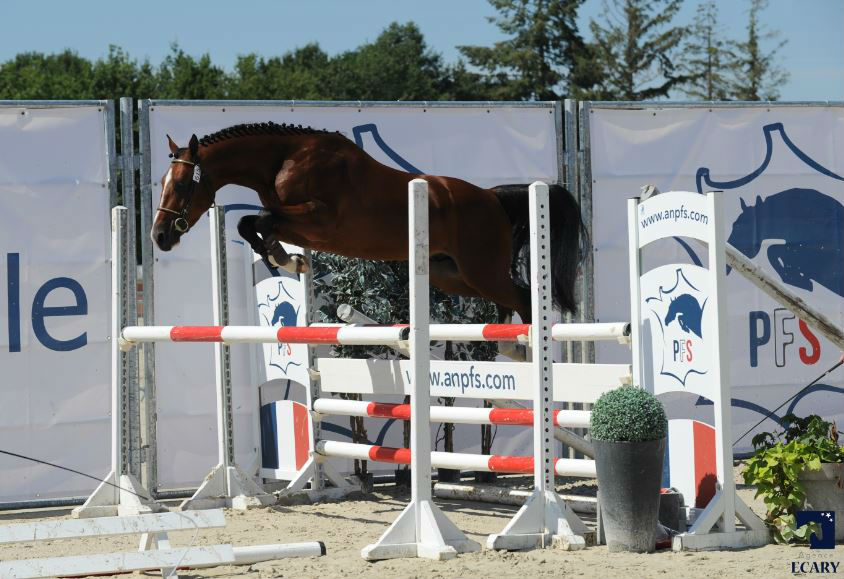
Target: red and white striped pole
{"type": "Point", "coordinates": [368, 335]}
{"type": "Point", "coordinates": [453, 460]}
{"type": "Point", "coordinates": [339, 335]}
{"type": "Point", "coordinates": [453, 414]}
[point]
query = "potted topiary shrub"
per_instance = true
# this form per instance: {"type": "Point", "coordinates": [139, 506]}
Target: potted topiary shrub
{"type": "Point", "coordinates": [800, 468]}
{"type": "Point", "coordinates": [628, 429]}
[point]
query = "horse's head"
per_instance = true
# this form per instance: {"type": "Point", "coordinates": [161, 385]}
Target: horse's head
{"type": "Point", "coordinates": [185, 195]}
{"type": "Point", "coordinates": [744, 235]}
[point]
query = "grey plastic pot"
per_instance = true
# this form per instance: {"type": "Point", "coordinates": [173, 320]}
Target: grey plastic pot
{"type": "Point", "coordinates": [825, 492]}
{"type": "Point", "coordinates": [629, 480]}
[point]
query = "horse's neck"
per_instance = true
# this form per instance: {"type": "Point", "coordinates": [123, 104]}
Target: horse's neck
{"type": "Point", "coordinates": [246, 162]}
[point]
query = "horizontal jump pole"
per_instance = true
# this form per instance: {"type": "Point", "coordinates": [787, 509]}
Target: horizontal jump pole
{"type": "Point", "coordinates": [453, 414]}
{"type": "Point", "coordinates": [453, 460]}
{"type": "Point", "coordinates": [369, 335]}
{"type": "Point", "coordinates": [338, 335]}
{"type": "Point", "coordinates": [619, 331]}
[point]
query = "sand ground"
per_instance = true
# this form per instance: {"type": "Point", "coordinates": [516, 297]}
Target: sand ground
{"type": "Point", "coordinates": [345, 527]}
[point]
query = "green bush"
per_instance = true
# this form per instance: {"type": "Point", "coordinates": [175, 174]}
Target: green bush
{"type": "Point", "coordinates": [777, 463]}
{"type": "Point", "coordinates": [628, 414]}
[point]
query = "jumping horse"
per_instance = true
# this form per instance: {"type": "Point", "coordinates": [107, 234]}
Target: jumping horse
{"type": "Point", "coordinates": [319, 190]}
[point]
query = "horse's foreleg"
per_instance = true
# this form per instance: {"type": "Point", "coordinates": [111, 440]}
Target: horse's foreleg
{"type": "Point", "coordinates": [246, 229]}
{"type": "Point", "coordinates": [265, 226]}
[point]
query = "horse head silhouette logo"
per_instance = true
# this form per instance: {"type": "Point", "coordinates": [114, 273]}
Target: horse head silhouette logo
{"type": "Point", "coordinates": [677, 304]}
{"type": "Point", "coordinates": [688, 313]}
{"type": "Point", "coordinates": [811, 227]}
{"type": "Point", "coordinates": [285, 313]}
{"type": "Point", "coordinates": [279, 310]}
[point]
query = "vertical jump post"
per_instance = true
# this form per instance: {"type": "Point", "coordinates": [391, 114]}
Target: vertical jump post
{"type": "Point", "coordinates": [227, 485]}
{"type": "Point", "coordinates": [422, 529]}
{"type": "Point", "coordinates": [545, 519]}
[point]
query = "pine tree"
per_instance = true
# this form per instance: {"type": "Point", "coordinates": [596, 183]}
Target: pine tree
{"type": "Point", "coordinates": [539, 60]}
{"type": "Point", "coordinates": [708, 57]}
{"type": "Point", "coordinates": [757, 75]}
{"type": "Point", "coordinates": [636, 49]}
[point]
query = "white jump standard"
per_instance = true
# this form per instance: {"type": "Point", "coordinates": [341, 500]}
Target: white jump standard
{"type": "Point", "coordinates": [422, 530]}
{"type": "Point", "coordinates": [680, 341]}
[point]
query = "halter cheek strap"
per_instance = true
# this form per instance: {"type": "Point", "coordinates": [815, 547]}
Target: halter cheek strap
{"type": "Point", "coordinates": [181, 222]}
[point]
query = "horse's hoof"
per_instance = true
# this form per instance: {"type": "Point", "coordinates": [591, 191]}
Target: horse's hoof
{"type": "Point", "coordinates": [297, 264]}
{"type": "Point", "coordinates": [272, 261]}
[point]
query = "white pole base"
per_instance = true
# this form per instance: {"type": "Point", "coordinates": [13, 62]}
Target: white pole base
{"type": "Point", "coordinates": [705, 533]}
{"type": "Point", "coordinates": [439, 538]}
{"type": "Point", "coordinates": [310, 496]}
{"type": "Point", "coordinates": [720, 540]}
{"type": "Point", "coordinates": [108, 501]}
{"type": "Point", "coordinates": [228, 487]}
{"type": "Point", "coordinates": [296, 493]}
{"type": "Point", "coordinates": [545, 520]}
{"type": "Point", "coordinates": [507, 496]}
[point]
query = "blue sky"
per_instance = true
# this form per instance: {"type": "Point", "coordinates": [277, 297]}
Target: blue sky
{"type": "Point", "coordinates": [814, 29]}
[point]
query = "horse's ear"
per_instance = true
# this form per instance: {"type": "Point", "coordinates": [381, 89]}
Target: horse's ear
{"type": "Point", "coordinates": [743, 204]}
{"type": "Point", "coordinates": [174, 148]}
{"type": "Point", "coordinates": [758, 200]}
{"type": "Point", "coordinates": [193, 145]}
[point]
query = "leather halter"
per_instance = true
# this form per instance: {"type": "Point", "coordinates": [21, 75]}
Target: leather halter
{"type": "Point", "coordinates": [181, 222]}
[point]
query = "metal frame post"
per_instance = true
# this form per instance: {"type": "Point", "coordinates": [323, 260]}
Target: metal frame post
{"type": "Point", "coordinates": [119, 493]}
{"type": "Point", "coordinates": [148, 353]}
{"type": "Point", "coordinates": [127, 150]}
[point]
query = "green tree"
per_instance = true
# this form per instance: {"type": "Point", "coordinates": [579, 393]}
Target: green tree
{"type": "Point", "coordinates": [398, 66]}
{"type": "Point", "coordinates": [708, 58]}
{"type": "Point", "coordinates": [181, 76]}
{"type": "Point", "coordinates": [462, 84]}
{"type": "Point", "coordinates": [636, 48]}
{"type": "Point", "coordinates": [117, 75]}
{"type": "Point", "coordinates": [540, 59]}
{"type": "Point", "coordinates": [757, 75]}
{"type": "Point", "coordinates": [295, 75]}
{"type": "Point", "coordinates": [32, 75]}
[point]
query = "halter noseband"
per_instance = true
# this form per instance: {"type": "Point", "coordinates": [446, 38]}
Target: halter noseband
{"type": "Point", "coordinates": [181, 222]}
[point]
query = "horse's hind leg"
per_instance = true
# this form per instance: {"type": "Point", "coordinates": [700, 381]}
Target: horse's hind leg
{"type": "Point", "coordinates": [484, 263]}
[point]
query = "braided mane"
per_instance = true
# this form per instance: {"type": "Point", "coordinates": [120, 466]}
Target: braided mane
{"type": "Point", "coordinates": [269, 128]}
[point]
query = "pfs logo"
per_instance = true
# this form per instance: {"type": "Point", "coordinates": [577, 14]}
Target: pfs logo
{"type": "Point", "coordinates": [277, 310]}
{"type": "Point", "coordinates": [678, 313]}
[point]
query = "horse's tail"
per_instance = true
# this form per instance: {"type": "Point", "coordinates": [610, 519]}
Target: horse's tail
{"type": "Point", "coordinates": [569, 239]}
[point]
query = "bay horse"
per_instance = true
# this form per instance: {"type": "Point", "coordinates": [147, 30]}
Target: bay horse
{"type": "Point", "coordinates": [319, 190]}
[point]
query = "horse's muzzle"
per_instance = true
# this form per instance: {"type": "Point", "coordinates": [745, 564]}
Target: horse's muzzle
{"type": "Point", "coordinates": [165, 235]}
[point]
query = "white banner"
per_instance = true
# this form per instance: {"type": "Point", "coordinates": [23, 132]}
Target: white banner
{"type": "Point", "coordinates": [485, 145]}
{"type": "Point", "coordinates": [55, 304]}
{"type": "Point", "coordinates": [781, 172]}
